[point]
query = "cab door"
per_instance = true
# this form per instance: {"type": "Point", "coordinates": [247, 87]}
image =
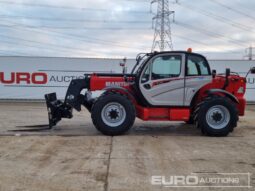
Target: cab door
{"type": "Point", "coordinates": [198, 74]}
{"type": "Point", "coordinates": [162, 80]}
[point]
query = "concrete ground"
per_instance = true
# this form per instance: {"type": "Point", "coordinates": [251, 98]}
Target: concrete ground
{"type": "Point", "coordinates": [75, 157]}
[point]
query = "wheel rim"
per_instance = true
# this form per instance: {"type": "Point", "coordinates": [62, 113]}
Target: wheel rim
{"type": "Point", "coordinates": [218, 117]}
{"type": "Point", "coordinates": [113, 114]}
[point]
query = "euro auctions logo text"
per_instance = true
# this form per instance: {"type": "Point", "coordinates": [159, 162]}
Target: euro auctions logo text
{"type": "Point", "coordinates": [203, 180]}
{"type": "Point", "coordinates": [39, 78]}
{"type": "Point", "coordinates": [35, 78]}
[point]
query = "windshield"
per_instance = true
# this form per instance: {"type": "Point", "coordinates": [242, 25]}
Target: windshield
{"type": "Point", "coordinates": [140, 59]}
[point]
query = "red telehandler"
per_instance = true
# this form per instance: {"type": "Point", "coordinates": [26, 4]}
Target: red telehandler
{"type": "Point", "coordinates": [163, 86]}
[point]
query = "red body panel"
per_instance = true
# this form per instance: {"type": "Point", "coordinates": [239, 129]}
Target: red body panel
{"type": "Point", "coordinates": [102, 82]}
{"type": "Point", "coordinates": [235, 82]}
{"type": "Point", "coordinates": [162, 114]}
{"type": "Point", "coordinates": [170, 113]}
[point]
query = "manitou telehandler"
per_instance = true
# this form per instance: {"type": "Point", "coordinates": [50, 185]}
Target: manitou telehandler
{"type": "Point", "coordinates": [163, 86]}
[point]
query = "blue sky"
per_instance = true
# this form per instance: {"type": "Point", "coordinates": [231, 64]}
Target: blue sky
{"type": "Point", "coordinates": [220, 29]}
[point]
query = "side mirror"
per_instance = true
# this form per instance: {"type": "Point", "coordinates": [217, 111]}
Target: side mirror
{"type": "Point", "coordinates": [253, 70]}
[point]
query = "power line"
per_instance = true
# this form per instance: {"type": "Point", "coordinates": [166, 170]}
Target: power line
{"type": "Point", "coordinates": [217, 17]}
{"type": "Point", "coordinates": [210, 33]}
{"type": "Point", "coordinates": [81, 38]}
{"type": "Point", "coordinates": [64, 35]}
{"type": "Point", "coordinates": [198, 42]}
{"type": "Point", "coordinates": [191, 40]}
{"type": "Point", "coordinates": [233, 10]}
{"type": "Point", "coordinates": [100, 41]}
{"type": "Point", "coordinates": [70, 20]}
{"type": "Point", "coordinates": [241, 6]}
{"type": "Point", "coordinates": [56, 45]}
{"type": "Point", "coordinates": [83, 28]}
{"type": "Point", "coordinates": [26, 45]}
{"type": "Point", "coordinates": [69, 49]}
{"type": "Point", "coordinates": [80, 20]}
{"type": "Point", "coordinates": [65, 7]}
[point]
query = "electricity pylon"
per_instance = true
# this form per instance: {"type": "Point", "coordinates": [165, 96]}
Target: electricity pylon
{"type": "Point", "coordinates": [162, 26]}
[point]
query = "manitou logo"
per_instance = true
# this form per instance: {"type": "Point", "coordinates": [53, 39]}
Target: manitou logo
{"type": "Point", "coordinates": [23, 77]}
{"type": "Point", "coordinates": [121, 84]}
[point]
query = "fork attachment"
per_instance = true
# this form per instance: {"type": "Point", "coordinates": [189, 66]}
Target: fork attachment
{"type": "Point", "coordinates": [57, 109]}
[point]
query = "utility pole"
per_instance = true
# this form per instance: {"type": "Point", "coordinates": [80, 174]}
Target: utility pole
{"type": "Point", "coordinates": [162, 25]}
{"type": "Point", "coordinates": [249, 53]}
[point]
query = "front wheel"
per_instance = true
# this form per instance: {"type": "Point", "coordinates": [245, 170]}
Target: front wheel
{"type": "Point", "coordinates": [217, 116]}
{"type": "Point", "coordinates": [113, 114]}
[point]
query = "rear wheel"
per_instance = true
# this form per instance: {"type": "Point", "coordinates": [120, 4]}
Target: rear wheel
{"type": "Point", "coordinates": [216, 116]}
{"type": "Point", "coordinates": [113, 114]}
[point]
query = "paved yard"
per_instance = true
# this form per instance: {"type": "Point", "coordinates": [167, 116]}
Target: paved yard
{"type": "Point", "coordinates": [75, 156]}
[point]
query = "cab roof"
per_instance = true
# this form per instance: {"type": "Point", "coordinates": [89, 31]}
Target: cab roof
{"type": "Point", "coordinates": [177, 51]}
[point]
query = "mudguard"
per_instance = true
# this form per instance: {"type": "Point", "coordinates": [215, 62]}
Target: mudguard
{"type": "Point", "coordinates": [121, 90]}
{"type": "Point", "coordinates": [229, 95]}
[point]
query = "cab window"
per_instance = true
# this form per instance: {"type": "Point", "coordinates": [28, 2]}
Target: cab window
{"type": "Point", "coordinates": [146, 75]}
{"type": "Point", "coordinates": [166, 67]}
{"type": "Point", "coordinates": [197, 66]}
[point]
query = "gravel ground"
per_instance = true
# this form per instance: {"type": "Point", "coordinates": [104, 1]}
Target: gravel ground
{"type": "Point", "coordinates": [74, 156]}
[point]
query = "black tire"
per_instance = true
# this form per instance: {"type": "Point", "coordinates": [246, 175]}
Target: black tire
{"type": "Point", "coordinates": [98, 121]}
{"type": "Point", "coordinates": [205, 106]}
{"type": "Point", "coordinates": [193, 116]}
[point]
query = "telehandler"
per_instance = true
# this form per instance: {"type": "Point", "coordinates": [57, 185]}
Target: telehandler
{"type": "Point", "coordinates": [163, 86]}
